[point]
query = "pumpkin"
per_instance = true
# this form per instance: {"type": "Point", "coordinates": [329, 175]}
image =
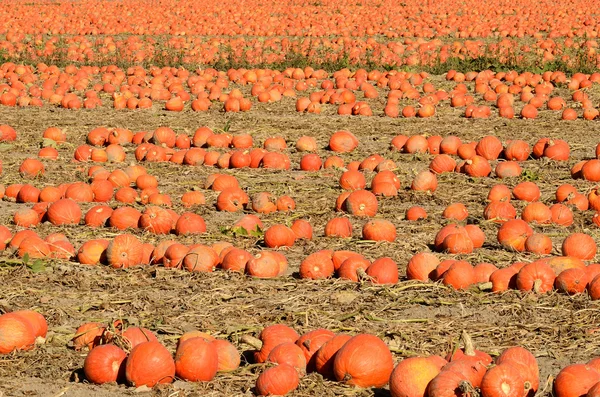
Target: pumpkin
{"type": "Point", "coordinates": [489, 147]}
{"type": "Point", "coordinates": [343, 142]}
{"type": "Point", "coordinates": [415, 213]}
{"type": "Point", "coordinates": [64, 212]}
{"type": "Point", "coordinates": [228, 356]}
{"type": "Point", "coordinates": [517, 150]}
{"type": "Point", "coordinates": [318, 265]}
{"type": "Point", "coordinates": [264, 203]}
{"type": "Point", "coordinates": [456, 211]}
{"type": "Point", "coordinates": [363, 361]}
{"type": "Point", "coordinates": [338, 227]}
{"type": "Point", "coordinates": [502, 381]}
{"type": "Point", "coordinates": [442, 163]}
{"type": "Point", "coordinates": [421, 266]}
{"type": "Point", "coordinates": [193, 198]}
{"type": "Point", "coordinates": [288, 353]}
{"type": "Point", "coordinates": [104, 364]}
{"type": "Point", "coordinates": [16, 333]}
{"type": "Point", "coordinates": [412, 375]}
{"type": "Point", "coordinates": [263, 265]}
{"type": "Point", "coordinates": [200, 258]}
{"type": "Point", "coordinates": [273, 336]}
{"type": "Point", "coordinates": [31, 168]}
{"type": "Point", "coordinates": [527, 365]}
{"type": "Point", "coordinates": [196, 360]}
{"type": "Point", "coordinates": [575, 380]}
{"type": "Point", "coordinates": [310, 343]}
{"type": "Point", "coordinates": [361, 203]}
{"type": "Point", "coordinates": [88, 335]}
{"type": "Point", "coordinates": [136, 335]}
{"type": "Point", "coordinates": [277, 381]}
{"type": "Point", "coordinates": [579, 245]}
{"type": "Point", "coordinates": [175, 255]}
{"type": "Point", "coordinates": [460, 275]}
{"type": "Point", "coordinates": [594, 287]}
{"type": "Point", "coordinates": [561, 215]}
{"type": "Point", "coordinates": [526, 191]}
{"type": "Point", "coordinates": [124, 251]}
{"type": "Point", "coordinates": [536, 212]}
{"type": "Point", "coordinates": [379, 230]}
{"type": "Point", "coordinates": [26, 217]}
{"type": "Point", "coordinates": [156, 220]}
{"type": "Point", "coordinates": [302, 229]}
{"type": "Point", "coordinates": [232, 200]}
{"type": "Point", "coordinates": [513, 234]}
{"type": "Point", "coordinates": [352, 180]}
{"type": "Point", "coordinates": [235, 260]}
{"type": "Point", "coordinates": [383, 271]}
{"type": "Point", "coordinates": [536, 276]}
{"type": "Point", "coordinates": [416, 144]}
{"type": "Point", "coordinates": [285, 203]}
{"type": "Point", "coordinates": [471, 369]}
{"type": "Point", "coordinates": [306, 144]}
{"type": "Point", "coordinates": [189, 223]}
{"type": "Point", "coordinates": [424, 181]}
{"type": "Point", "coordinates": [92, 252]}
{"type": "Point", "coordinates": [148, 364]}
{"type": "Point", "coordinates": [477, 166]}
{"type": "Point", "coordinates": [539, 244]}
{"type": "Point", "coordinates": [279, 236]}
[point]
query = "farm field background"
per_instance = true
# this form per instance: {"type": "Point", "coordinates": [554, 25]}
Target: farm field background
{"type": "Point", "coordinates": [272, 70]}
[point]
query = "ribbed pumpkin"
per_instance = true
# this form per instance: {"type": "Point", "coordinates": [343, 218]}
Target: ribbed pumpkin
{"type": "Point", "coordinates": [124, 251]}
{"type": "Point", "coordinates": [156, 220]}
{"type": "Point", "coordinates": [318, 265]}
{"type": "Point", "coordinates": [361, 203]}
{"type": "Point", "coordinates": [364, 361]}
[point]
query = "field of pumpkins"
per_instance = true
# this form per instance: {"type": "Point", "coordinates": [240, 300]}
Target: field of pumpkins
{"type": "Point", "coordinates": [326, 199]}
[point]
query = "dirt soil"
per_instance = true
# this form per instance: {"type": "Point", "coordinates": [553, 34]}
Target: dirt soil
{"type": "Point", "coordinates": [414, 318]}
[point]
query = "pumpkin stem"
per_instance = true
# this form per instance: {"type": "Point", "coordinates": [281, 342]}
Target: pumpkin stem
{"type": "Point", "coordinates": [467, 389]}
{"type": "Point", "coordinates": [485, 286]}
{"type": "Point", "coordinates": [362, 275]}
{"type": "Point", "coordinates": [252, 341]}
{"type": "Point", "coordinates": [537, 284]}
{"type": "Point", "coordinates": [468, 349]}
